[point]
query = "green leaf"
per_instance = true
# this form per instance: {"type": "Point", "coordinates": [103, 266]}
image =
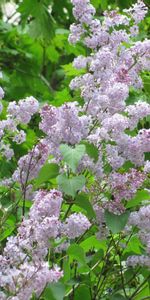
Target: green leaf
{"type": "Point", "coordinates": [92, 242]}
{"type": "Point", "coordinates": [70, 186]}
{"type": "Point", "coordinates": [82, 201]}
{"type": "Point", "coordinates": [8, 228]}
{"type": "Point", "coordinates": [54, 291]}
{"type": "Point", "coordinates": [116, 223]}
{"type": "Point", "coordinates": [91, 150]}
{"type": "Point", "coordinates": [72, 156]}
{"type": "Point", "coordinates": [27, 7]}
{"type": "Point", "coordinates": [6, 167]}
{"type": "Point", "coordinates": [143, 293]}
{"type": "Point", "coordinates": [76, 252]}
{"type": "Point", "coordinates": [134, 245]}
{"type": "Point", "coordinates": [104, 4]}
{"type": "Point", "coordinates": [146, 81]}
{"type": "Point", "coordinates": [117, 297]}
{"type": "Point", "coordinates": [66, 270]}
{"type": "Point", "coordinates": [124, 4]}
{"type": "Point", "coordinates": [48, 171]}
{"type": "Point", "coordinates": [62, 31]}
{"type": "Point", "coordinates": [41, 28]}
{"type": "Point", "coordinates": [41, 25]}
{"type": "Point", "coordinates": [84, 269]}
{"type": "Point", "coordinates": [96, 3]}
{"type": "Point", "coordinates": [83, 292]}
{"type": "Point", "coordinates": [28, 203]}
{"type": "Point", "coordinates": [52, 54]}
{"type": "Point", "coordinates": [71, 71]}
{"type": "Point", "coordinates": [62, 96]}
{"type": "Point", "coordinates": [139, 197]}
{"type": "Point", "coordinates": [6, 232]}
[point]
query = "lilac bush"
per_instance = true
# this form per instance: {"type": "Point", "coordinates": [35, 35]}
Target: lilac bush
{"type": "Point", "coordinates": [98, 190]}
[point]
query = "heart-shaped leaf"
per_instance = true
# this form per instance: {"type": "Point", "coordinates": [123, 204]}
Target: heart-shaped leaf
{"type": "Point", "coordinates": [71, 185]}
{"type": "Point", "coordinates": [116, 222]}
{"type": "Point", "coordinates": [76, 252]}
{"type": "Point", "coordinates": [55, 291]}
{"type": "Point", "coordinates": [48, 171]}
{"type": "Point", "coordinates": [72, 156]}
{"type": "Point", "coordinates": [82, 201]}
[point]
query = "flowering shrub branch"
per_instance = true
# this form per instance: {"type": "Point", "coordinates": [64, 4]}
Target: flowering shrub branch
{"type": "Point", "coordinates": [84, 174]}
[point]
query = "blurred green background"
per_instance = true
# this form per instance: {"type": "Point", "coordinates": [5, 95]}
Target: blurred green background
{"type": "Point", "coordinates": [35, 56]}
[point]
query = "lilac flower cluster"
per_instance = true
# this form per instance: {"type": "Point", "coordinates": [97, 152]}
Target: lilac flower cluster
{"type": "Point", "coordinates": [24, 269]}
{"type": "Point", "coordinates": [100, 220]}
{"type": "Point", "coordinates": [75, 225]}
{"type": "Point", "coordinates": [63, 125]}
{"type": "Point", "coordinates": [30, 164]}
{"type": "Point", "coordinates": [125, 186]}
{"type": "Point", "coordinates": [17, 114]}
{"type": "Point", "coordinates": [112, 68]}
{"type": "Point", "coordinates": [137, 12]}
{"type": "Point", "coordinates": [83, 11]}
{"type": "Point", "coordinates": [23, 111]}
{"type": "Point", "coordinates": [95, 167]}
{"type": "Point", "coordinates": [23, 266]}
{"type": "Point", "coordinates": [106, 121]}
{"type": "Point", "coordinates": [141, 219]}
{"type": "Point", "coordinates": [136, 112]}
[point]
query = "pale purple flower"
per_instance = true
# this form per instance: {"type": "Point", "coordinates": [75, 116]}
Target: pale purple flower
{"type": "Point", "coordinates": [23, 111]}
{"type": "Point", "coordinates": [75, 225]}
{"type": "Point", "coordinates": [19, 137]}
{"type": "Point", "coordinates": [147, 167]}
{"type": "Point", "coordinates": [80, 62]}
{"type": "Point", "coordinates": [1, 93]}
{"type": "Point", "coordinates": [124, 186]}
{"type": "Point", "coordinates": [140, 260]}
{"type": "Point", "coordinates": [76, 32]}
{"type": "Point", "coordinates": [137, 11]}
{"type": "Point", "coordinates": [29, 165]}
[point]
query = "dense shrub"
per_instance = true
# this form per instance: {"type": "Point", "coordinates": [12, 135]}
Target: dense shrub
{"type": "Point", "coordinates": [75, 164]}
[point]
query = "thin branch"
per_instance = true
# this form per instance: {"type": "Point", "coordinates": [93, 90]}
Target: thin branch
{"type": "Point", "coordinates": [139, 288]}
{"type": "Point", "coordinates": [67, 211]}
{"type": "Point", "coordinates": [120, 265]}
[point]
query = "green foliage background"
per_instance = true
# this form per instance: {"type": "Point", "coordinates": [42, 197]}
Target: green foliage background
{"type": "Point", "coordinates": [36, 59]}
{"type": "Point", "coordinates": [35, 55]}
